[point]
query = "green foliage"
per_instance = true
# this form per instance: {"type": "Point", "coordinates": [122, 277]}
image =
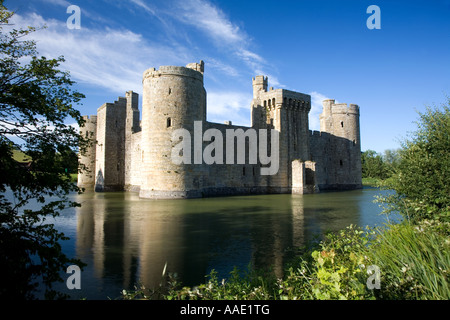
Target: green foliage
{"type": "Point", "coordinates": [421, 180]}
{"type": "Point", "coordinates": [373, 165]}
{"type": "Point", "coordinates": [335, 269]}
{"type": "Point", "coordinates": [250, 286]}
{"type": "Point", "coordinates": [36, 101]}
{"type": "Point", "coordinates": [414, 259]}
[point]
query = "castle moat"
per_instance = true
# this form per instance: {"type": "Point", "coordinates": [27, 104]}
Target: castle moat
{"type": "Point", "coordinates": [125, 240]}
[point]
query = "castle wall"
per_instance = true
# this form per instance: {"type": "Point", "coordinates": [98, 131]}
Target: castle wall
{"type": "Point", "coordinates": [235, 178]}
{"type": "Point", "coordinates": [131, 152]}
{"type": "Point", "coordinates": [86, 158]}
{"type": "Point", "coordinates": [135, 166]}
{"type": "Point", "coordinates": [110, 160]}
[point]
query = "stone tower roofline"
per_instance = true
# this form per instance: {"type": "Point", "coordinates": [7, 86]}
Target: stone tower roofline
{"type": "Point", "coordinates": [283, 98]}
{"type": "Point", "coordinates": [260, 80]}
{"type": "Point", "coordinates": [192, 70]}
{"type": "Point", "coordinates": [340, 108]}
{"type": "Point", "coordinates": [92, 118]}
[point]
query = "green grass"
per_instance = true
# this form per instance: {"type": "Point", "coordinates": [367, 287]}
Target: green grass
{"type": "Point", "coordinates": [74, 177]}
{"type": "Point", "coordinates": [370, 182]}
{"type": "Point", "coordinates": [19, 156]}
{"type": "Point", "coordinates": [414, 260]}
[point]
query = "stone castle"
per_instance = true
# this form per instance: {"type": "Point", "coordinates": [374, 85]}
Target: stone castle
{"type": "Point", "coordinates": [131, 154]}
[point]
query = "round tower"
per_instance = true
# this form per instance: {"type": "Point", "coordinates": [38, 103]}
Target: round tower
{"type": "Point", "coordinates": [345, 122]}
{"type": "Point", "coordinates": [345, 126]}
{"type": "Point", "coordinates": [173, 98]}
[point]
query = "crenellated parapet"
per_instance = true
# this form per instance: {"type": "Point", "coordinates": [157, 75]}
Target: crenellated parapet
{"type": "Point", "coordinates": [192, 70]}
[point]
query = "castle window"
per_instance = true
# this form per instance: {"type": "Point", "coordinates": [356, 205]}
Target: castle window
{"type": "Point", "coordinates": [341, 163]}
{"type": "Point", "coordinates": [342, 124]}
{"type": "Point", "coordinates": [169, 122]}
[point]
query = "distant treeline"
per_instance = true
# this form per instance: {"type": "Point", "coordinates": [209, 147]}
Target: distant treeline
{"type": "Point", "coordinates": [379, 166]}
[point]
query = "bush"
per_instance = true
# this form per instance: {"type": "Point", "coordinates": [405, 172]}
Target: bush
{"type": "Point", "coordinates": [421, 179]}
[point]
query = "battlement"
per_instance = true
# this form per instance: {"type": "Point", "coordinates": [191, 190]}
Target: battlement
{"type": "Point", "coordinates": [192, 70]}
{"type": "Point", "coordinates": [344, 108]}
{"type": "Point", "coordinates": [330, 107]}
{"type": "Point", "coordinates": [200, 67]}
{"type": "Point", "coordinates": [282, 98]}
{"type": "Point", "coordinates": [92, 119]}
{"type": "Point", "coordinates": [260, 81]}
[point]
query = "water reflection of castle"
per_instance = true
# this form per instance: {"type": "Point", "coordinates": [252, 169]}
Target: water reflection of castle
{"type": "Point", "coordinates": [130, 241]}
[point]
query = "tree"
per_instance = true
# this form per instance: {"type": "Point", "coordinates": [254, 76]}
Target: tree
{"type": "Point", "coordinates": [373, 165]}
{"type": "Point", "coordinates": [36, 99]}
{"type": "Point", "coordinates": [421, 180]}
{"type": "Point", "coordinates": [391, 159]}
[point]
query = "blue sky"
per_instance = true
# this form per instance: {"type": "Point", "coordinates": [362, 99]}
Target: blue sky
{"type": "Point", "coordinates": [322, 48]}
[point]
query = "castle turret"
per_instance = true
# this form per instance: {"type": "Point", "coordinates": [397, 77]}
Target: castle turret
{"type": "Point", "coordinates": [259, 84]}
{"type": "Point", "coordinates": [173, 98]}
{"type": "Point", "coordinates": [340, 123]}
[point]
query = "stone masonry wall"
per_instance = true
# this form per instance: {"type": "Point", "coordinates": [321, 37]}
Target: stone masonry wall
{"type": "Point", "coordinates": [86, 177]}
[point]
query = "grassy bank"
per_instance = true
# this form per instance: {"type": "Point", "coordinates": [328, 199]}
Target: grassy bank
{"type": "Point", "coordinates": [371, 182]}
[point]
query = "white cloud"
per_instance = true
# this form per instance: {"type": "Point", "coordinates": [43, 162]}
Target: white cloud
{"type": "Point", "coordinates": [222, 67]}
{"type": "Point", "coordinates": [316, 109]}
{"type": "Point", "coordinates": [143, 5]}
{"type": "Point", "coordinates": [231, 105]}
{"type": "Point", "coordinates": [225, 34]}
{"type": "Point", "coordinates": [205, 16]}
{"type": "Point", "coordinates": [62, 3]}
{"type": "Point", "coordinates": [111, 59]}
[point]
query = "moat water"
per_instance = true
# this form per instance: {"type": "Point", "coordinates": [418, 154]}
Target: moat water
{"type": "Point", "coordinates": [126, 240]}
